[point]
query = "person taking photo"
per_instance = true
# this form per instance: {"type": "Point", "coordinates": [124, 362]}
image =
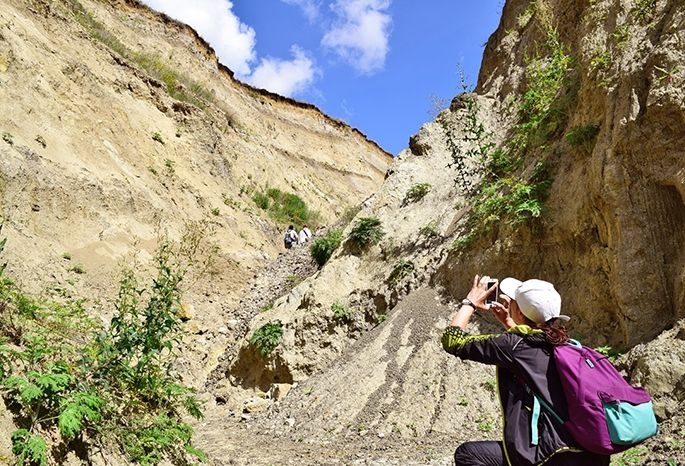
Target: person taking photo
{"type": "Point", "coordinates": [529, 311]}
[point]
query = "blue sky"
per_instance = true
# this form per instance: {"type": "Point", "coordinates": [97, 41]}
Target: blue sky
{"type": "Point", "coordinates": [382, 66]}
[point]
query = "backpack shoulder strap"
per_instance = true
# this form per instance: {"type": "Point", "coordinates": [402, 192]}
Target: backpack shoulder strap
{"type": "Point", "coordinates": [573, 342]}
{"type": "Point", "coordinates": [540, 402]}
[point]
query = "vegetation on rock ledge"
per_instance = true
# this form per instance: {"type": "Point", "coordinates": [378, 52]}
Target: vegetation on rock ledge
{"type": "Point", "coordinates": [511, 190]}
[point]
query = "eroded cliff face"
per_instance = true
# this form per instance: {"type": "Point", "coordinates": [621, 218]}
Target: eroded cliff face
{"type": "Point", "coordinates": [118, 123]}
{"type": "Point", "coordinates": [611, 238]}
{"type": "Point", "coordinates": [609, 235]}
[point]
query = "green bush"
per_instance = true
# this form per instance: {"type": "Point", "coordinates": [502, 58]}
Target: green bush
{"type": "Point", "coordinates": [401, 270]}
{"type": "Point", "coordinates": [366, 232]}
{"type": "Point", "coordinates": [323, 247]}
{"type": "Point", "coordinates": [267, 337]}
{"type": "Point", "coordinates": [510, 200]}
{"type": "Point", "coordinates": [293, 280]}
{"type": "Point", "coordinates": [340, 311]}
{"type": "Point", "coordinates": [583, 136]}
{"type": "Point", "coordinates": [266, 307]}
{"type": "Point", "coordinates": [65, 375]}
{"type": "Point", "coordinates": [77, 268]}
{"type": "Point", "coordinates": [285, 207]}
{"type": "Point", "coordinates": [463, 242]}
{"type": "Point", "coordinates": [416, 192]}
{"type": "Point", "coordinates": [612, 353]}
{"type": "Point", "coordinates": [430, 230]}
{"type": "Point", "coordinates": [261, 200]}
{"type": "Point", "coordinates": [644, 10]}
{"type": "Point", "coordinates": [540, 105]}
{"type": "Point", "coordinates": [501, 163]}
{"type": "Point", "coordinates": [29, 449]}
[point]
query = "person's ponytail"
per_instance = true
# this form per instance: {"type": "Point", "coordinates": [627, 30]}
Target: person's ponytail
{"type": "Point", "coordinates": [555, 333]}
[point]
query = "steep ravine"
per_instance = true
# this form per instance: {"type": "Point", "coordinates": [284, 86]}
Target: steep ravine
{"type": "Point", "coordinates": [609, 237]}
{"type": "Point", "coordinates": [102, 158]}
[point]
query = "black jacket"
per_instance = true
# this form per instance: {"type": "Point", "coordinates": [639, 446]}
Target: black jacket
{"type": "Point", "coordinates": [522, 356]}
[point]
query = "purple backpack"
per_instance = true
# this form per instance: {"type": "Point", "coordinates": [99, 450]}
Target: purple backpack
{"type": "Point", "coordinates": [606, 414]}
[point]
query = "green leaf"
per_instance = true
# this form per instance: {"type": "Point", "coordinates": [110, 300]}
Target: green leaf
{"type": "Point", "coordinates": [79, 406]}
{"type": "Point", "coordinates": [29, 448]}
{"type": "Point", "coordinates": [15, 382]}
{"type": "Point", "coordinates": [53, 383]}
{"type": "Point", "coordinates": [193, 407]}
{"type": "Point", "coordinates": [69, 422]}
{"type": "Point", "coordinates": [199, 454]}
{"type": "Point", "coordinates": [26, 391]}
{"type": "Point", "coordinates": [31, 392]}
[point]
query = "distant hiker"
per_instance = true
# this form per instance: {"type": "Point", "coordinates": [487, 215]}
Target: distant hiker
{"type": "Point", "coordinates": [530, 313]}
{"type": "Point", "coordinates": [290, 238]}
{"type": "Point", "coordinates": [305, 235]}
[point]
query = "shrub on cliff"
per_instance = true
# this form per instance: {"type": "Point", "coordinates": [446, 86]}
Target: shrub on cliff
{"type": "Point", "coordinates": [322, 248]}
{"type": "Point", "coordinates": [69, 379]}
{"type": "Point", "coordinates": [366, 232]}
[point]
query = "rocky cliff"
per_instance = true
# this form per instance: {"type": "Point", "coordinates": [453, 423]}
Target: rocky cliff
{"type": "Point", "coordinates": [119, 123]}
{"type": "Point", "coordinates": [565, 164]}
{"type": "Point", "coordinates": [611, 234]}
{"type": "Point", "coordinates": [119, 126]}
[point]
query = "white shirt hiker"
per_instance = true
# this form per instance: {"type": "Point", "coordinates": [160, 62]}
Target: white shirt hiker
{"type": "Point", "coordinates": [305, 235]}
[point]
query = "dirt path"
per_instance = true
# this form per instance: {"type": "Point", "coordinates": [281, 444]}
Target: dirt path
{"type": "Point", "coordinates": [369, 407]}
{"type": "Point", "coordinates": [229, 441]}
{"type": "Point", "coordinates": [391, 398]}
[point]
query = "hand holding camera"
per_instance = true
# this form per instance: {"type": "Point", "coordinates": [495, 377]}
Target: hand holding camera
{"type": "Point", "coordinates": [483, 293]}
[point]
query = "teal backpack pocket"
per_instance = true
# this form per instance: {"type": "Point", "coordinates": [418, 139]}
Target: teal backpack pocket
{"type": "Point", "coordinates": [628, 423]}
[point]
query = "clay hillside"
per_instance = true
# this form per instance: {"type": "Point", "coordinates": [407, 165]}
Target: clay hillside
{"type": "Point", "coordinates": [125, 145]}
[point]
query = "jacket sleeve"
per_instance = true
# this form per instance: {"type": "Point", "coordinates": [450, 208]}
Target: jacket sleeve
{"type": "Point", "coordinates": [494, 349]}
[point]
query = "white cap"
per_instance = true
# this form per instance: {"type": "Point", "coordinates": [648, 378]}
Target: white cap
{"type": "Point", "coordinates": [537, 299]}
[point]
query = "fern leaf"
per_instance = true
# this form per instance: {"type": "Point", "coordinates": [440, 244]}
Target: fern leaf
{"type": "Point", "coordinates": [193, 407]}
{"type": "Point", "coordinates": [80, 406]}
{"type": "Point", "coordinates": [37, 450]}
{"type": "Point", "coordinates": [29, 448]}
{"type": "Point", "coordinates": [30, 393]}
{"type": "Point", "coordinates": [53, 383]}
{"type": "Point", "coordinates": [199, 454]}
{"type": "Point", "coordinates": [16, 382]}
{"type": "Point", "coordinates": [69, 422]}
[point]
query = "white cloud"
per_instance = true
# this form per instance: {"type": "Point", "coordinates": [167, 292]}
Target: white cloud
{"type": "Point", "coordinates": [285, 77]}
{"type": "Point", "coordinates": [214, 21]}
{"type": "Point", "coordinates": [310, 8]}
{"type": "Point", "coordinates": [234, 43]}
{"type": "Point", "coordinates": [360, 36]}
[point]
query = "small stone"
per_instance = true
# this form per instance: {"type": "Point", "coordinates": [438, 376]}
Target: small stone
{"type": "Point", "coordinates": [256, 405]}
{"type": "Point", "coordinates": [186, 312]}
